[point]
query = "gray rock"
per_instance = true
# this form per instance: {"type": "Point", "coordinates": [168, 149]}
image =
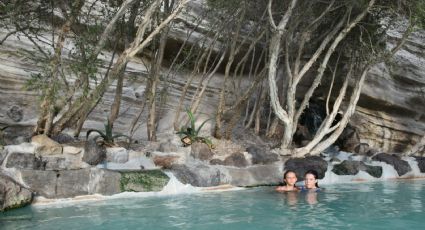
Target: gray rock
{"type": "Point", "coordinates": [401, 166]}
{"type": "Point", "coordinates": [375, 171]}
{"type": "Point", "coordinates": [71, 183]}
{"type": "Point", "coordinates": [63, 138]}
{"type": "Point", "coordinates": [2, 154]}
{"type": "Point", "coordinates": [165, 161]}
{"type": "Point", "coordinates": [25, 161]}
{"type": "Point", "coordinates": [12, 194]}
{"type": "Point", "coordinates": [236, 159]}
{"type": "Point", "coordinates": [347, 168]}
{"type": "Point", "coordinates": [46, 146]}
{"type": "Point", "coordinates": [105, 182]}
{"type": "Point", "coordinates": [93, 153]}
{"type": "Point", "coordinates": [301, 165]}
{"type": "Point", "coordinates": [361, 148]}
{"type": "Point", "coordinates": [353, 167]}
{"type": "Point", "coordinates": [421, 163]}
{"type": "Point", "coordinates": [255, 175]}
{"type": "Point", "coordinates": [261, 155]}
{"type": "Point", "coordinates": [201, 151]}
{"type": "Point", "coordinates": [216, 162]}
{"type": "Point", "coordinates": [117, 155]}
{"type": "Point", "coordinates": [15, 113]}
{"type": "Point", "coordinates": [55, 163]}
{"type": "Point", "coordinates": [349, 139]}
{"type": "Point", "coordinates": [167, 147]}
{"type": "Point", "coordinates": [42, 182]}
{"type": "Point", "coordinates": [199, 175]}
{"type": "Point", "coordinates": [335, 159]}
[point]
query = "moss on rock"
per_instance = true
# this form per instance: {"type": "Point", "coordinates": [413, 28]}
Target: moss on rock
{"type": "Point", "coordinates": [143, 181]}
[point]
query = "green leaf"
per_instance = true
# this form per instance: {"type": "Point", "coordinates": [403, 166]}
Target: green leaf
{"type": "Point", "coordinates": [96, 131]}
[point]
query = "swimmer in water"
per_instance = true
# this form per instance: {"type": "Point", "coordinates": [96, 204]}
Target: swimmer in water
{"type": "Point", "coordinates": [289, 180]}
{"type": "Point", "coordinates": [310, 181]}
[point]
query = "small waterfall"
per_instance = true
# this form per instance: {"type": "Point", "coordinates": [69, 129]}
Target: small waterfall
{"type": "Point", "coordinates": [174, 186]}
{"type": "Point", "coordinates": [388, 171]}
{"type": "Point", "coordinates": [416, 172]}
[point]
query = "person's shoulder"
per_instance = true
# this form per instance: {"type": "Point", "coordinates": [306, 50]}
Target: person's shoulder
{"type": "Point", "coordinates": [280, 188]}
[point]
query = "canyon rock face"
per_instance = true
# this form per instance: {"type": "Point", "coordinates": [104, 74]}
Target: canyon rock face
{"type": "Point", "coordinates": [389, 117]}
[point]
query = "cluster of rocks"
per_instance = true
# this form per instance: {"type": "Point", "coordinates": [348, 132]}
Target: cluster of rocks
{"type": "Point", "coordinates": [45, 167]}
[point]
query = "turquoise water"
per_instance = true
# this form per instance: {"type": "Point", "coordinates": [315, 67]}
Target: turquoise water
{"type": "Point", "coordinates": [381, 205]}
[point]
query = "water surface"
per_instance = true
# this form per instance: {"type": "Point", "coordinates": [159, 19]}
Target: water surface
{"type": "Point", "coordinates": [378, 205]}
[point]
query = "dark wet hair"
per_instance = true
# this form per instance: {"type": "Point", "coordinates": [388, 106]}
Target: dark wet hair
{"type": "Point", "coordinates": [286, 173]}
{"type": "Point", "coordinates": [314, 173]}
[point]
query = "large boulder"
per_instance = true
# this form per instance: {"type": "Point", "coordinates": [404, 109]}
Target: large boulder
{"type": "Point", "coordinates": [24, 161]}
{"type": "Point", "coordinates": [201, 151]}
{"type": "Point", "coordinates": [93, 153]}
{"type": "Point", "coordinates": [255, 175]}
{"type": "Point", "coordinates": [165, 161]}
{"type": "Point", "coordinates": [71, 183]}
{"type": "Point", "coordinates": [46, 146]}
{"type": "Point", "coordinates": [353, 167]}
{"type": "Point", "coordinates": [301, 165]}
{"type": "Point", "coordinates": [12, 194]}
{"type": "Point", "coordinates": [236, 159]}
{"type": "Point", "coordinates": [402, 167]}
{"type": "Point", "coordinates": [261, 155]}
{"type": "Point", "coordinates": [117, 155]}
{"type": "Point", "coordinates": [167, 147]}
{"type": "Point", "coordinates": [196, 175]}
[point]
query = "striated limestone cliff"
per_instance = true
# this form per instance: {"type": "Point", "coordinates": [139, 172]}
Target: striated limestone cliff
{"type": "Point", "coordinates": [390, 115]}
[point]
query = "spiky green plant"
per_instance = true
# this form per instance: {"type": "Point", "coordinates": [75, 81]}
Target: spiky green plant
{"type": "Point", "coordinates": [107, 136]}
{"type": "Point", "coordinates": [191, 132]}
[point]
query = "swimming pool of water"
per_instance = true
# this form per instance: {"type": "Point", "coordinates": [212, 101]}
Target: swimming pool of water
{"type": "Point", "coordinates": [378, 205]}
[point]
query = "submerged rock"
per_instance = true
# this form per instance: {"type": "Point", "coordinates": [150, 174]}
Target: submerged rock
{"type": "Point", "coordinates": [402, 167]}
{"type": "Point", "coordinates": [143, 181]}
{"type": "Point", "coordinates": [353, 167]}
{"type": "Point", "coordinates": [12, 194]}
{"type": "Point", "coordinates": [301, 165]}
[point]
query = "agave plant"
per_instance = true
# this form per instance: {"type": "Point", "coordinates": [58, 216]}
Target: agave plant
{"type": "Point", "coordinates": [107, 136]}
{"type": "Point", "coordinates": [191, 133]}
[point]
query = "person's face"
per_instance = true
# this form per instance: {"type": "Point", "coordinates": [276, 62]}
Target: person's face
{"type": "Point", "coordinates": [291, 178]}
{"type": "Point", "coordinates": [310, 181]}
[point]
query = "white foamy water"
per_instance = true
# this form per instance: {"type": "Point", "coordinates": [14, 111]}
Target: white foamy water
{"type": "Point", "coordinates": [388, 171]}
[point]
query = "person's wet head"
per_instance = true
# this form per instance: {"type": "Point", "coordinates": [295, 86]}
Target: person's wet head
{"type": "Point", "coordinates": [310, 179]}
{"type": "Point", "coordinates": [289, 178]}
